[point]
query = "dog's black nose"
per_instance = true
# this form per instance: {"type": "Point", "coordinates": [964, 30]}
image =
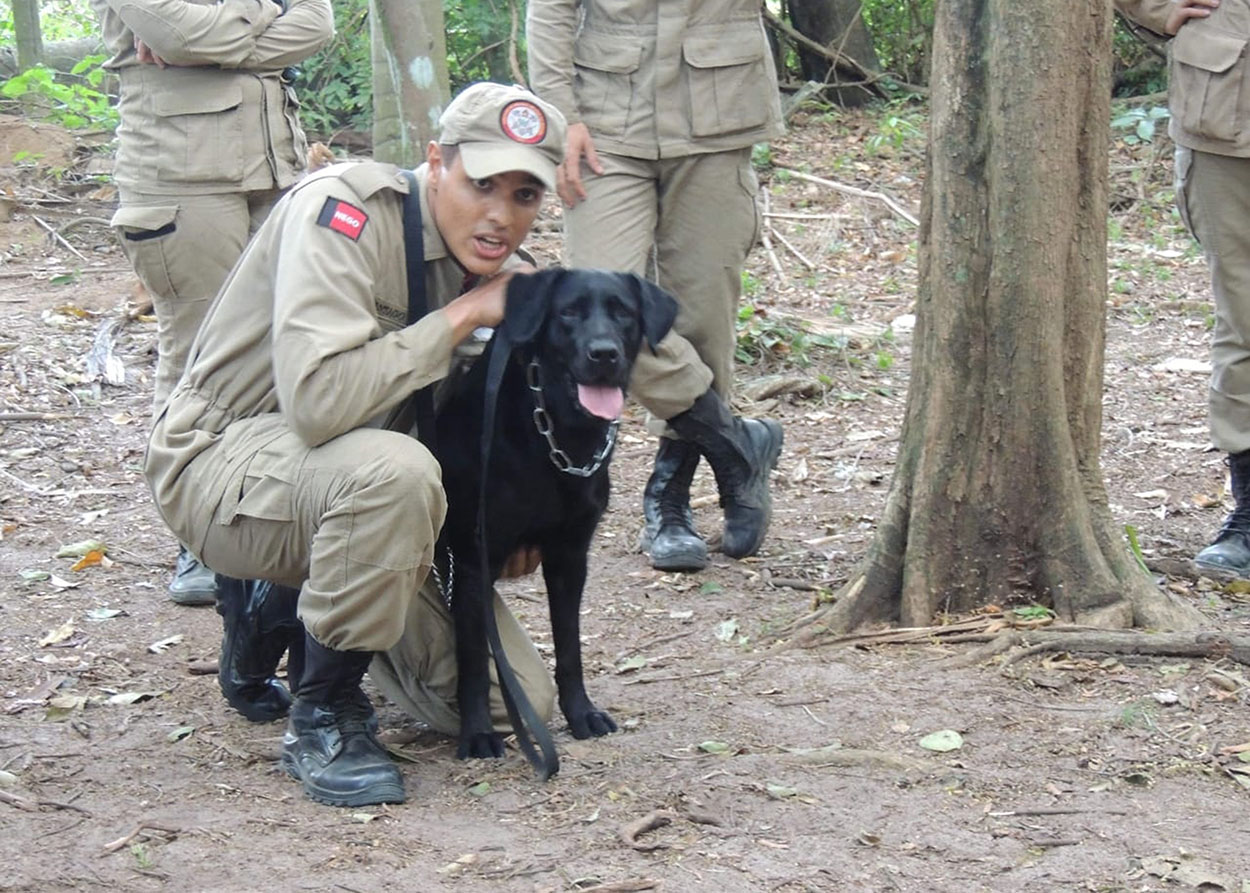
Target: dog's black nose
{"type": "Point", "coordinates": [604, 352]}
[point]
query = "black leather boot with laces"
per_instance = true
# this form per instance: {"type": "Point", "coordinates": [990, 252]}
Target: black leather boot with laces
{"type": "Point", "coordinates": [331, 743]}
{"type": "Point", "coordinates": [1231, 549]}
{"type": "Point", "coordinates": [742, 453]}
{"type": "Point", "coordinates": [669, 536]}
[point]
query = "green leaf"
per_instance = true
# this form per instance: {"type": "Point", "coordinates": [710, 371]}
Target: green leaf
{"type": "Point", "coordinates": [481, 789]}
{"type": "Point", "coordinates": [179, 733]}
{"type": "Point", "coordinates": [943, 741]}
{"type": "Point", "coordinates": [714, 747]}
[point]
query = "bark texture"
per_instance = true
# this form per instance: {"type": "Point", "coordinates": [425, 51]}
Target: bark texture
{"type": "Point", "coordinates": [998, 494]}
{"type": "Point", "coordinates": [836, 24]}
{"type": "Point", "coordinates": [26, 33]}
{"type": "Point", "coordinates": [410, 81]}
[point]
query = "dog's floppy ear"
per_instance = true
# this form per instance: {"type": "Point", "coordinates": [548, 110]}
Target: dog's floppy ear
{"type": "Point", "coordinates": [657, 308]}
{"type": "Point", "coordinates": [528, 299]}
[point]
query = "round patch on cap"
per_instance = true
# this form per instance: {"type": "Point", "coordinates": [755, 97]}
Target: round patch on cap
{"type": "Point", "coordinates": [523, 121]}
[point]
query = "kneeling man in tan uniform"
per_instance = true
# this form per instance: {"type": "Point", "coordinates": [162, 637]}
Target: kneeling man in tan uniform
{"type": "Point", "coordinates": [270, 461]}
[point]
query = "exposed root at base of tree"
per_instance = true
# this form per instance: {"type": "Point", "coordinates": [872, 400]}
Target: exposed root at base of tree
{"type": "Point", "coordinates": [1203, 644]}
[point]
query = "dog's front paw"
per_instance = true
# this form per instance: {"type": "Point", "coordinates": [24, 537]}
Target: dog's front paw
{"type": "Point", "coordinates": [479, 745]}
{"type": "Point", "coordinates": [591, 724]}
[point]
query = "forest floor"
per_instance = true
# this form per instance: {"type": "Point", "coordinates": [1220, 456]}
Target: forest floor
{"type": "Point", "coordinates": [739, 768]}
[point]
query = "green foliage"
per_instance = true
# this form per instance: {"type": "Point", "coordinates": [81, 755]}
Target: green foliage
{"type": "Point", "coordinates": [762, 338]}
{"type": "Point", "coordinates": [478, 32]}
{"type": "Point", "coordinates": [898, 128]}
{"type": "Point", "coordinates": [1139, 123]}
{"type": "Point", "coordinates": [76, 104]}
{"type": "Point", "coordinates": [335, 86]}
{"type": "Point", "coordinates": [902, 33]}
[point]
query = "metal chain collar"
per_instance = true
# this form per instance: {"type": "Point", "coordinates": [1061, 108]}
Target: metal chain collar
{"type": "Point", "coordinates": [542, 421]}
{"type": "Point", "coordinates": [447, 590]}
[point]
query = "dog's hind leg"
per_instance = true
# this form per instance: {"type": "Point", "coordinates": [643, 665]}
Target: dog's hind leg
{"type": "Point", "coordinates": [564, 570]}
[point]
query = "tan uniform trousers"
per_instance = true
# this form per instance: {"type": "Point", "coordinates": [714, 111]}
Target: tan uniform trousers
{"type": "Point", "coordinates": [182, 247]}
{"type": "Point", "coordinates": [352, 523]}
{"type": "Point", "coordinates": [1213, 196]}
{"type": "Point", "coordinates": [688, 224]}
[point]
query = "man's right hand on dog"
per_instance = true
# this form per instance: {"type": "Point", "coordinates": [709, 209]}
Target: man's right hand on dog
{"type": "Point", "coordinates": [483, 304]}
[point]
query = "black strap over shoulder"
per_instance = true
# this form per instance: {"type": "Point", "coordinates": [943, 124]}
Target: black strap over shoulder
{"type": "Point", "coordinates": [418, 408]}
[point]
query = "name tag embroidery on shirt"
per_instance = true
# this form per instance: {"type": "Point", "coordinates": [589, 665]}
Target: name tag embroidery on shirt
{"type": "Point", "coordinates": [343, 218]}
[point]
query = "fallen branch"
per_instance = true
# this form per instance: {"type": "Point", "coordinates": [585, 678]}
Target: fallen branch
{"type": "Point", "coordinates": [1203, 644]}
{"type": "Point", "coordinates": [31, 416]}
{"type": "Point", "coordinates": [120, 842]}
{"type": "Point", "coordinates": [57, 236]}
{"type": "Point", "coordinates": [767, 240]}
{"type": "Point", "coordinates": [629, 833]}
{"type": "Point", "coordinates": [786, 242]}
{"type": "Point", "coordinates": [860, 193]}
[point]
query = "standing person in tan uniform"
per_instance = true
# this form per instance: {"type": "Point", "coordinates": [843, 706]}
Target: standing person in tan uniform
{"type": "Point", "coordinates": [664, 102]}
{"type": "Point", "coordinates": [209, 138]}
{"type": "Point", "coordinates": [1208, 82]}
{"type": "Point", "coordinates": [267, 458]}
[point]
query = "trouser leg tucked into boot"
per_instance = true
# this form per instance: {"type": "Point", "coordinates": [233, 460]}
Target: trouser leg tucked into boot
{"type": "Point", "coordinates": [258, 625]}
{"type": "Point", "coordinates": [1231, 549]}
{"type": "Point", "coordinates": [742, 453]}
{"type": "Point", "coordinates": [669, 536]}
{"type": "Point", "coordinates": [331, 742]}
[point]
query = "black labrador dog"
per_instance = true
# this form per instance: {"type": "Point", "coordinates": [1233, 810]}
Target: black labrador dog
{"type": "Point", "coordinates": [574, 337]}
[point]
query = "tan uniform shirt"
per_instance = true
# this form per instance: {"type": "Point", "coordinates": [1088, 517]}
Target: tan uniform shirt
{"type": "Point", "coordinates": [657, 79]}
{"type": "Point", "coordinates": [1209, 75]}
{"type": "Point", "coordinates": [218, 118]}
{"type": "Point", "coordinates": [308, 333]}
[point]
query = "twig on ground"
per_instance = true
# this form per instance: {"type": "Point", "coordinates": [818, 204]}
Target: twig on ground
{"type": "Point", "coordinates": [861, 193]}
{"type": "Point", "coordinates": [799, 254]}
{"type": "Point", "coordinates": [57, 236]}
{"type": "Point", "coordinates": [630, 832]}
{"type": "Point", "coordinates": [767, 240]}
{"type": "Point", "coordinates": [31, 416]}
{"type": "Point", "coordinates": [651, 643]}
{"type": "Point", "coordinates": [144, 825]}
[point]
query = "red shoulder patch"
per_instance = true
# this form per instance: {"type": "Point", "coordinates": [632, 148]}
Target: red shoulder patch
{"type": "Point", "coordinates": [343, 218]}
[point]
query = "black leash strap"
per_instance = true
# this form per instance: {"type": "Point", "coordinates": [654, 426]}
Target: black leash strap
{"type": "Point", "coordinates": [419, 407]}
{"type": "Point", "coordinates": [525, 720]}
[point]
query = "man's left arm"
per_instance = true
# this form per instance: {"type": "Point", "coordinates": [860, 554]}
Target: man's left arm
{"type": "Point", "coordinates": [304, 29]}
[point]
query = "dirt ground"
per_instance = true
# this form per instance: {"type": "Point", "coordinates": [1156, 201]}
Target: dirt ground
{"type": "Point", "coordinates": [736, 769]}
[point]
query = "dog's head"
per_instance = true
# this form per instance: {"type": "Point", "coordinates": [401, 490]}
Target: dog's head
{"type": "Point", "coordinates": [590, 324]}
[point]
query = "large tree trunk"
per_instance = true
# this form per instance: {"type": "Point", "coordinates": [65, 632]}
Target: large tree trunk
{"type": "Point", "coordinates": [410, 83]}
{"type": "Point", "coordinates": [836, 24]}
{"type": "Point", "coordinates": [998, 494]}
{"type": "Point", "coordinates": [27, 33]}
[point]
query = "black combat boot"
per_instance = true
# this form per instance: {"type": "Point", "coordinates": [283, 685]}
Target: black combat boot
{"type": "Point", "coordinates": [742, 453]}
{"type": "Point", "coordinates": [331, 743]}
{"type": "Point", "coordinates": [258, 625]}
{"type": "Point", "coordinates": [669, 535]}
{"type": "Point", "coordinates": [1231, 549]}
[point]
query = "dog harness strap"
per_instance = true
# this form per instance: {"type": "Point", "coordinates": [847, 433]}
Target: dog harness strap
{"type": "Point", "coordinates": [418, 408]}
{"type": "Point", "coordinates": [525, 720]}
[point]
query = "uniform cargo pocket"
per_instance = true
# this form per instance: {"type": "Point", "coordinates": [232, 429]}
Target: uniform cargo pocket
{"type": "Point", "coordinates": [729, 83]}
{"type": "Point", "coordinates": [143, 232]}
{"type": "Point", "coordinates": [1208, 67]}
{"type": "Point", "coordinates": [264, 489]}
{"type": "Point", "coordinates": [603, 72]}
{"type": "Point", "coordinates": [201, 132]}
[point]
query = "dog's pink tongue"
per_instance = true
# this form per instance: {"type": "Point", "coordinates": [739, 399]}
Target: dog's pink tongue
{"type": "Point", "coordinates": [606, 403]}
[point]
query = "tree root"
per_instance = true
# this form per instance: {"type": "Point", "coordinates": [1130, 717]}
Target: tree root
{"type": "Point", "coordinates": [1202, 644]}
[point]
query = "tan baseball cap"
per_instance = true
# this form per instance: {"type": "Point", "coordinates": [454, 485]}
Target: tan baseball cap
{"type": "Point", "coordinates": [501, 127]}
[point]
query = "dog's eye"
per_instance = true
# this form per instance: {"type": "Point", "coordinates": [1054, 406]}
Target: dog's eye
{"type": "Point", "coordinates": [570, 314]}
